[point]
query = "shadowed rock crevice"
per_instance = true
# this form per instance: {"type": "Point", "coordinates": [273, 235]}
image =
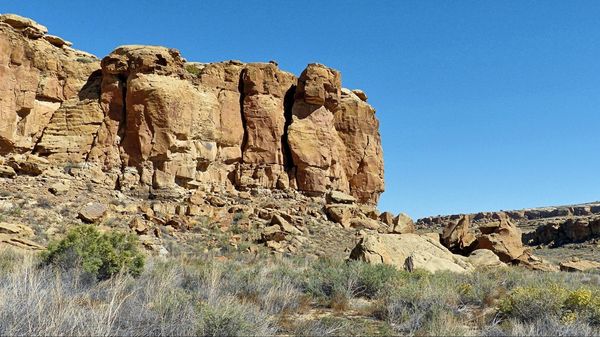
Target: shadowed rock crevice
{"type": "Point", "coordinates": [288, 103]}
{"type": "Point", "coordinates": [242, 115]}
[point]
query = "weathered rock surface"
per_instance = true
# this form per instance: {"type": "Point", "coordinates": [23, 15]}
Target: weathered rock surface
{"type": "Point", "coordinates": [402, 224]}
{"type": "Point", "coordinates": [503, 238]}
{"type": "Point", "coordinates": [409, 252]}
{"type": "Point", "coordinates": [579, 265]}
{"type": "Point", "coordinates": [93, 212]}
{"type": "Point", "coordinates": [37, 78]}
{"type": "Point", "coordinates": [458, 236]}
{"type": "Point", "coordinates": [151, 121]}
{"type": "Point", "coordinates": [18, 236]}
{"type": "Point", "coordinates": [554, 226]}
{"type": "Point", "coordinates": [485, 258]}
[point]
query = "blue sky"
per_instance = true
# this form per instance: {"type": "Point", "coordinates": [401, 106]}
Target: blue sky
{"type": "Point", "coordinates": [483, 105]}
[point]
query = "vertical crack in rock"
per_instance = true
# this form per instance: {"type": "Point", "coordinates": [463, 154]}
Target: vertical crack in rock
{"type": "Point", "coordinates": [122, 128]}
{"type": "Point", "coordinates": [288, 103]}
{"type": "Point", "coordinates": [242, 96]}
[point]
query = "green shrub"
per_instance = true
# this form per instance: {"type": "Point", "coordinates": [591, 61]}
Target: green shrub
{"type": "Point", "coordinates": [192, 69]}
{"type": "Point", "coordinates": [84, 60]}
{"type": "Point", "coordinates": [533, 303]}
{"type": "Point", "coordinates": [228, 317]}
{"type": "Point", "coordinates": [100, 254]}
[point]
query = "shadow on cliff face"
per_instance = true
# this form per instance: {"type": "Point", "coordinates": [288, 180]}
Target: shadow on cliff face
{"type": "Point", "coordinates": [288, 103]}
{"type": "Point", "coordinates": [92, 88]}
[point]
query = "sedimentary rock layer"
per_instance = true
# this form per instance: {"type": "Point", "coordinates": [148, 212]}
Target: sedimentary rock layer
{"type": "Point", "coordinates": [150, 119]}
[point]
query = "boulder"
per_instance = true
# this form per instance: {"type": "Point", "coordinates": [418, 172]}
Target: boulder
{"type": "Point", "coordinates": [138, 225]}
{"type": "Point", "coordinates": [32, 28]}
{"type": "Point", "coordinates": [57, 41]}
{"type": "Point", "coordinates": [60, 188]}
{"type": "Point", "coordinates": [484, 258]}
{"type": "Point", "coordinates": [7, 172]}
{"type": "Point", "coordinates": [28, 164]}
{"type": "Point", "coordinates": [341, 214]}
{"type": "Point", "coordinates": [402, 224]}
{"type": "Point", "coordinates": [532, 262]}
{"type": "Point", "coordinates": [387, 218]}
{"type": "Point", "coordinates": [360, 94]}
{"type": "Point", "coordinates": [458, 237]}
{"type": "Point", "coordinates": [364, 223]}
{"type": "Point", "coordinates": [579, 265]}
{"type": "Point", "coordinates": [93, 212]}
{"type": "Point", "coordinates": [15, 229]}
{"type": "Point", "coordinates": [17, 235]}
{"type": "Point", "coordinates": [284, 225]}
{"type": "Point", "coordinates": [501, 237]}
{"type": "Point", "coordinates": [409, 252]}
{"type": "Point", "coordinates": [337, 197]}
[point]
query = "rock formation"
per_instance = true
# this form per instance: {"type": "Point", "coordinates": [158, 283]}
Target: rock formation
{"type": "Point", "coordinates": [409, 252]}
{"type": "Point", "coordinates": [150, 120]}
{"type": "Point", "coordinates": [554, 226]}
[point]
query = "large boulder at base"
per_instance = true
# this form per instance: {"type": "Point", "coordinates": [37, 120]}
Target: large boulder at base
{"type": "Point", "coordinates": [485, 258]}
{"type": "Point", "coordinates": [458, 236]}
{"type": "Point", "coordinates": [409, 252]}
{"type": "Point", "coordinates": [503, 238]}
{"type": "Point", "coordinates": [402, 224]}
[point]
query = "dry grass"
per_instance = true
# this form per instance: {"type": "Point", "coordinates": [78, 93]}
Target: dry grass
{"type": "Point", "coordinates": [268, 296]}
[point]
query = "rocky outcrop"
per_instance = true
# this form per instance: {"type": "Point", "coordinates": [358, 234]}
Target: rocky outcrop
{"type": "Point", "coordinates": [501, 237]}
{"type": "Point", "coordinates": [561, 231]}
{"type": "Point", "coordinates": [38, 79]}
{"type": "Point", "coordinates": [150, 120]}
{"type": "Point", "coordinates": [458, 236]}
{"type": "Point", "coordinates": [579, 265]}
{"type": "Point", "coordinates": [409, 252]}
{"type": "Point", "coordinates": [18, 236]}
{"type": "Point", "coordinates": [553, 226]}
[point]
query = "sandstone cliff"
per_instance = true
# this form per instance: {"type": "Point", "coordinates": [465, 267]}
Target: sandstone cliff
{"type": "Point", "coordinates": [150, 120]}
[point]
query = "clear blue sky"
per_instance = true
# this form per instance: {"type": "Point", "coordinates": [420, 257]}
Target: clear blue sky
{"type": "Point", "coordinates": [484, 105]}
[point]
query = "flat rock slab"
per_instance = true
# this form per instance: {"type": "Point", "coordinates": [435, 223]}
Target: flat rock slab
{"type": "Point", "coordinates": [93, 212]}
{"type": "Point", "coordinates": [580, 265]}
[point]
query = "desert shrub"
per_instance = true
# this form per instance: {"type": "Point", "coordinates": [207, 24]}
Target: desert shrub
{"type": "Point", "coordinates": [530, 303]}
{"type": "Point", "coordinates": [9, 259]}
{"type": "Point", "coordinates": [584, 304]}
{"type": "Point", "coordinates": [545, 326]}
{"type": "Point", "coordinates": [421, 303]}
{"type": "Point", "coordinates": [99, 254]}
{"type": "Point", "coordinates": [338, 281]}
{"type": "Point", "coordinates": [84, 60]}
{"type": "Point", "coordinates": [332, 283]}
{"type": "Point", "coordinates": [192, 69]}
{"type": "Point", "coordinates": [228, 317]}
{"type": "Point", "coordinates": [266, 285]}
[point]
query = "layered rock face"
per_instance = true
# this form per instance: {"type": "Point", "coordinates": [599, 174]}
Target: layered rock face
{"type": "Point", "coordinates": [41, 79]}
{"type": "Point", "coordinates": [150, 120]}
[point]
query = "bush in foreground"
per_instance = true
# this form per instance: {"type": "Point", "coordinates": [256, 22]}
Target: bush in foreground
{"type": "Point", "coordinates": [99, 254]}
